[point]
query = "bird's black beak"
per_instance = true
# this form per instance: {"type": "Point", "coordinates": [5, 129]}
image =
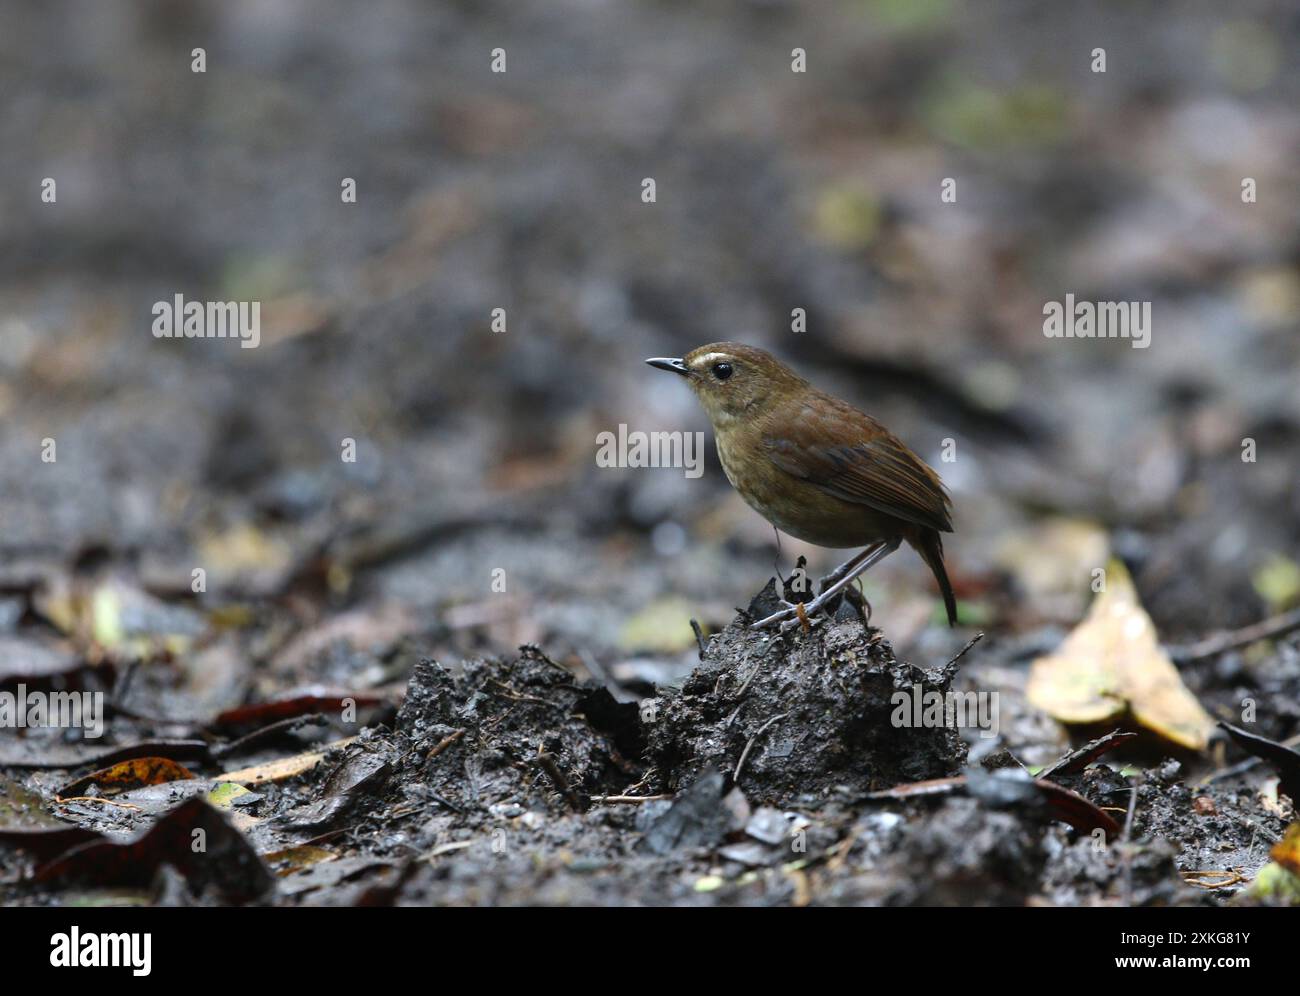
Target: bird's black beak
{"type": "Point", "coordinates": [664, 363]}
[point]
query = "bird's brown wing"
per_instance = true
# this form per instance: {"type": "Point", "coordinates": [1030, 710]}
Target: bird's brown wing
{"type": "Point", "coordinates": [850, 455]}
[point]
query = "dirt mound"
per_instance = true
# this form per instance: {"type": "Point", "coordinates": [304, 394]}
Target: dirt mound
{"type": "Point", "coordinates": [517, 731]}
{"type": "Point", "coordinates": [813, 709]}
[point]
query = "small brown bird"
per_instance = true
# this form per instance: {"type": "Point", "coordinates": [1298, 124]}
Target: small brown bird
{"type": "Point", "coordinates": [816, 467]}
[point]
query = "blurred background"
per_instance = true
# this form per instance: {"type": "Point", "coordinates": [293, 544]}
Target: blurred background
{"type": "Point", "coordinates": [522, 190]}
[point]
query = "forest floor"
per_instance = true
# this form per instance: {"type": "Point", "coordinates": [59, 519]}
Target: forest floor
{"type": "Point", "coordinates": [360, 604]}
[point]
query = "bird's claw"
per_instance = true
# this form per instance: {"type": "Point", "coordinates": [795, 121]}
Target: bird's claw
{"type": "Point", "coordinates": [791, 614]}
{"type": "Point", "coordinates": [800, 619]}
{"type": "Point", "coordinates": [787, 611]}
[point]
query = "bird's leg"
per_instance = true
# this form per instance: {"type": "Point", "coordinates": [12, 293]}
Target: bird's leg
{"type": "Point", "coordinates": [845, 567]}
{"type": "Point", "coordinates": [781, 582]}
{"type": "Point", "coordinates": [838, 573]}
{"type": "Point", "coordinates": [869, 557]}
{"type": "Point", "coordinates": [788, 610]}
{"type": "Point", "coordinates": [776, 564]}
{"type": "Point", "coordinates": [797, 582]}
{"type": "Point", "coordinates": [851, 569]}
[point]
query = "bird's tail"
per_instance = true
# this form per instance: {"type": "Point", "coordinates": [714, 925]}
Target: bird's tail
{"type": "Point", "coordinates": [929, 545]}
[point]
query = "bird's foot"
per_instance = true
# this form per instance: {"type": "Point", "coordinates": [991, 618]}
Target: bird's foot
{"type": "Point", "coordinates": [791, 614]}
{"type": "Point", "coordinates": [860, 602]}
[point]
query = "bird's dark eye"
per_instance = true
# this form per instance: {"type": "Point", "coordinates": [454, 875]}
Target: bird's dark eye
{"type": "Point", "coordinates": [722, 370]}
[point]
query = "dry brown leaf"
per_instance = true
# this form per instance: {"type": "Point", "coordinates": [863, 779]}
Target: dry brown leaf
{"type": "Point", "coordinates": [127, 775]}
{"type": "Point", "coordinates": [1112, 663]}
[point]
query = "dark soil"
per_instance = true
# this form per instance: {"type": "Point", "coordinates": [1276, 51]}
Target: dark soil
{"type": "Point", "coordinates": [372, 610]}
{"type": "Point", "coordinates": [815, 714]}
{"type": "Point", "coordinates": [508, 780]}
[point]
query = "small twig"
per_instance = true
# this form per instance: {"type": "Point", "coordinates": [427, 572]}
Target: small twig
{"type": "Point", "coordinates": [403, 811]}
{"type": "Point", "coordinates": [266, 732]}
{"type": "Point", "coordinates": [739, 698]}
{"type": "Point", "coordinates": [510, 693]}
{"type": "Point", "coordinates": [547, 761]}
{"type": "Point", "coordinates": [950, 668]}
{"type": "Point", "coordinates": [320, 838]}
{"type": "Point", "coordinates": [496, 721]}
{"type": "Point", "coordinates": [443, 744]}
{"type": "Point", "coordinates": [442, 801]}
{"type": "Point", "coordinates": [1230, 877]}
{"type": "Point", "coordinates": [1076, 760]}
{"type": "Point", "coordinates": [734, 713]}
{"type": "Point", "coordinates": [645, 780]}
{"type": "Point", "coordinates": [1124, 837]}
{"type": "Point", "coordinates": [606, 799]}
{"type": "Point", "coordinates": [448, 848]}
{"type": "Point", "coordinates": [748, 681]}
{"type": "Point", "coordinates": [1233, 639]}
{"type": "Point", "coordinates": [1132, 808]}
{"type": "Point", "coordinates": [95, 798]}
{"type": "Point", "coordinates": [699, 636]}
{"type": "Point", "coordinates": [122, 687]}
{"type": "Point", "coordinates": [962, 652]}
{"type": "Point", "coordinates": [840, 852]}
{"type": "Point", "coordinates": [740, 765]}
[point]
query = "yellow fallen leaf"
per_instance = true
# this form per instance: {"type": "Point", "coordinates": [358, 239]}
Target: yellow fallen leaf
{"type": "Point", "coordinates": [292, 859]}
{"type": "Point", "coordinates": [244, 549]}
{"type": "Point", "coordinates": [106, 611]}
{"type": "Point", "coordinates": [1277, 885]}
{"type": "Point", "coordinates": [1047, 561]}
{"type": "Point", "coordinates": [1112, 663]}
{"type": "Point", "coordinates": [1286, 852]}
{"type": "Point", "coordinates": [1278, 582]}
{"type": "Point", "coordinates": [663, 626]}
{"type": "Point", "coordinates": [1279, 880]}
{"type": "Point", "coordinates": [278, 771]}
{"type": "Point", "coordinates": [223, 794]}
{"type": "Point", "coordinates": [119, 618]}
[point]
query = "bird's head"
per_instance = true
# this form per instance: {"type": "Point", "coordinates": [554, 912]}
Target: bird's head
{"type": "Point", "coordinates": [733, 380]}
